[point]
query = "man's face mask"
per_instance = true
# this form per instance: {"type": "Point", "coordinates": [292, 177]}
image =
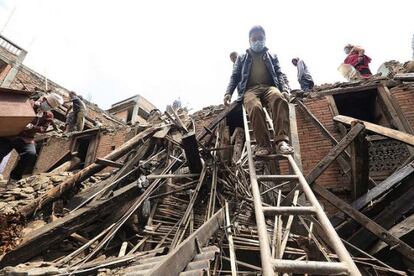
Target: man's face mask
{"type": "Point", "coordinates": [257, 42]}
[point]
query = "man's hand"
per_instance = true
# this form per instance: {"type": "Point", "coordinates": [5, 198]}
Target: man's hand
{"type": "Point", "coordinates": [227, 99]}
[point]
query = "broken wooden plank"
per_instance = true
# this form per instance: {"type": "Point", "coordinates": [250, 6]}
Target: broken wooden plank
{"type": "Point", "coordinates": [379, 190]}
{"type": "Point", "coordinates": [398, 230]}
{"type": "Point", "coordinates": [388, 217]}
{"type": "Point", "coordinates": [57, 191]}
{"type": "Point", "coordinates": [404, 76]}
{"type": "Point", "coordinates": [237, 140]}
{"type": "Point", "coordinates": [367, 223]}
{"type": "Point", "coordinates": [294, 136]}
{"type": "Point", "coordinates": [108, 163]}
{"type": "Point", "coordinates": [192, 153]}
{"type": "Point", "coordinates": [177, 260]}
{"type": "Point", "coordinates": [384, 131]}
{"type": "Point", "coordinates": [218, 119]}
{"type": "Point", "coordinates": [54, 232]}
{"type": "Point", "coordinates": [359, 165]}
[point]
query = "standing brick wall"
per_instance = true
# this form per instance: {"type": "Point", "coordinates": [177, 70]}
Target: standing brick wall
{"type": "Point", "coordinates": [404, 96]}
{"type": "Point", "coordinates": [314, 146]}
{"type": "Point", "coordinates": [52, 151]}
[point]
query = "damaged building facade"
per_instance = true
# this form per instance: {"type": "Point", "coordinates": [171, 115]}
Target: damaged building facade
{"type": "Point", "coordinates": [104, 130]}
{"type": "Point", "coordinates": [176, 195]}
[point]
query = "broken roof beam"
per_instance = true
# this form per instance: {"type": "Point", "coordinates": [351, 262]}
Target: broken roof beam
{"type": "Point", "coordinates": [390, 183]}
{"type": "Point", "coordinates": [218, 119]}
{"type": "Point", "coordinates": [355, 88]}
{"type": "Point", "coordinates": [384, 131]}
{"type": "Point", "coordinates": [177, 260]}
{"type": "Point", "coordinates": [57, 191]}
{"type": "Point", "coordinates": [58, 230]}
{"type": "Point", "coordinates": [387, 217]}
{"type": "Point", "coordinates": [108, 163]}
{"type": "Point", "coordinates": [384, 235]}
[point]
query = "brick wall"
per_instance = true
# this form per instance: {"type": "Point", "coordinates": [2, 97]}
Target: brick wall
{"type": "Point", "coordinates": [314, 146]}
{"type": "Point", "coordinates": [123, 115]}
{"type": "Point", "coordinates": [110, 141]}
{"type": "Point", "coordinates": [404, 96]}
{"type": "Point", "coordinates": [51, 152]}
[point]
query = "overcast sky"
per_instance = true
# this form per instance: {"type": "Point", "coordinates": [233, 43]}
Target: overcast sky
{"type": "Point", "coordinates": [110, 50]}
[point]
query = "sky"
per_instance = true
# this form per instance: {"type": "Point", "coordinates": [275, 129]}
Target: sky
{"type": "Point", "coordinates": [164, 50]}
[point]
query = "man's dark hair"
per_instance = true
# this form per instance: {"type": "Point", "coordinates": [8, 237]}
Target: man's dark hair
{"type": "Point", "coordinates": [257, 28]}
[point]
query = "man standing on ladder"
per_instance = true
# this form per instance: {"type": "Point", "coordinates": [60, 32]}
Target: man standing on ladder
{"type": "Point", "coordinates": [259, 80]}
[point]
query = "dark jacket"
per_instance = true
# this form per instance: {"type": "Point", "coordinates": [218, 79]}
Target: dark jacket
{"type": "Point", "coordinates": [242, 68]}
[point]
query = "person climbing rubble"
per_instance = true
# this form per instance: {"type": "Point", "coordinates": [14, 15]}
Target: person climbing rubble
{"type": "Point", "coordinates": [259, 80]}
{"type": "Point", "coordinates": [356, 57]}
{"type": "Point", "coordinates": [75, 119]}
{"type": "Point", "coordinates": [24, 143]}
{"type": "Point", "coordinates": [304, 77]}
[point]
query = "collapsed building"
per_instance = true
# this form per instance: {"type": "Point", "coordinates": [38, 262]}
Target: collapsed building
{"type": "Point", "coordinates": [173, 194]}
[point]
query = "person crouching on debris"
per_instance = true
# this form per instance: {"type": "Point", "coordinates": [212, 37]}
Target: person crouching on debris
{"type": "Point", "coordinates": [357, 58]}
{"type": "Point", "coordinates": [304, 77]}
{"type": "Point", "coordinates": [24, 143]}
{"type": "Point", "coordinates": [259, 80]}
{"type": "Point", "coordinates": [76, 119]}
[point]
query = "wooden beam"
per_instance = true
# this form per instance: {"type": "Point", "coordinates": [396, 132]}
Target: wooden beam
{"type": "Point", "coordinates": [384, 131]}
{"type": "Point", "coordinates": [334, 153]}
{"type": "Point", "coordinates": [379, 190]}
{"type": "Point", "coordinates": [387, 217]}
{"type": "Point", "coordinates": [367, 223]}
{"type": "Point", "coordinates": [393, 112]}
{"type": "Point", "coordinates": [56, 231]}
{"type": "Point", "coordinates": [294, 136]}
{"type": "Point", "coordinates": [177, 260]}
{"type": "Point", "coordinates": [359, 165]}
{"type": "Point", "coordinates": [218, 119]}
{"type": "Point", "coordinates": [108, 163]}
{"type": "Point", "coordinates": [404, 76]}
{"type": "Point", "coordinates": [399, 230]}
{"type": "Point", "coordinates": [192, 153]}
{"type": "Point", "coordinates": [356, 88]}
{"type": "Point", "coordinates": [327, 160]}
{"type": "Point", "coordinates": [57, 191]}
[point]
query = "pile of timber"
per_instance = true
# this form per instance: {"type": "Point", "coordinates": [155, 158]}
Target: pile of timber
{"type": "Point", "coordinates": [178, 201]}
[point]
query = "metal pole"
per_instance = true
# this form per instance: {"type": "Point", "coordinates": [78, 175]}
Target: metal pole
{"type": "Point", "coordinates": [333, 237]}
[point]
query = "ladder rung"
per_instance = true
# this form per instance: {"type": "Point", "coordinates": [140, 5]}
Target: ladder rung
{"type": "Point", "coordinates": [290, 210]}
{"type": "Point", "coordinates": [277, 177]}
{"type": "Point", "coordinates": [309, 267]}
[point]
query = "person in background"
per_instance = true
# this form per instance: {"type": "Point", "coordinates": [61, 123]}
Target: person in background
{"type": "Point", "coordinates": [233, 56]}
{"type": "Point", "coordinates": [260, 81]}
{"type": "Point", "coordinates": [24, 143]}
{"type": "Point", "coordinates": [304, 77]}
{"type": "Point", "coordinates": [357, 58]}
{"type": "Point", "coordinates": [76, 120]}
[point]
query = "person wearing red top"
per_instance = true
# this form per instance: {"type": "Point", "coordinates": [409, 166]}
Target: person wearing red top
{"type": "Point", "coordinates": [24, 143]}
{"type": "Point", "coordinates": [357, 58]}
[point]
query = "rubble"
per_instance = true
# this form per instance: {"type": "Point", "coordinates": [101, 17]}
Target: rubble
{"type": "Point", "coordinates": [180, 193]}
